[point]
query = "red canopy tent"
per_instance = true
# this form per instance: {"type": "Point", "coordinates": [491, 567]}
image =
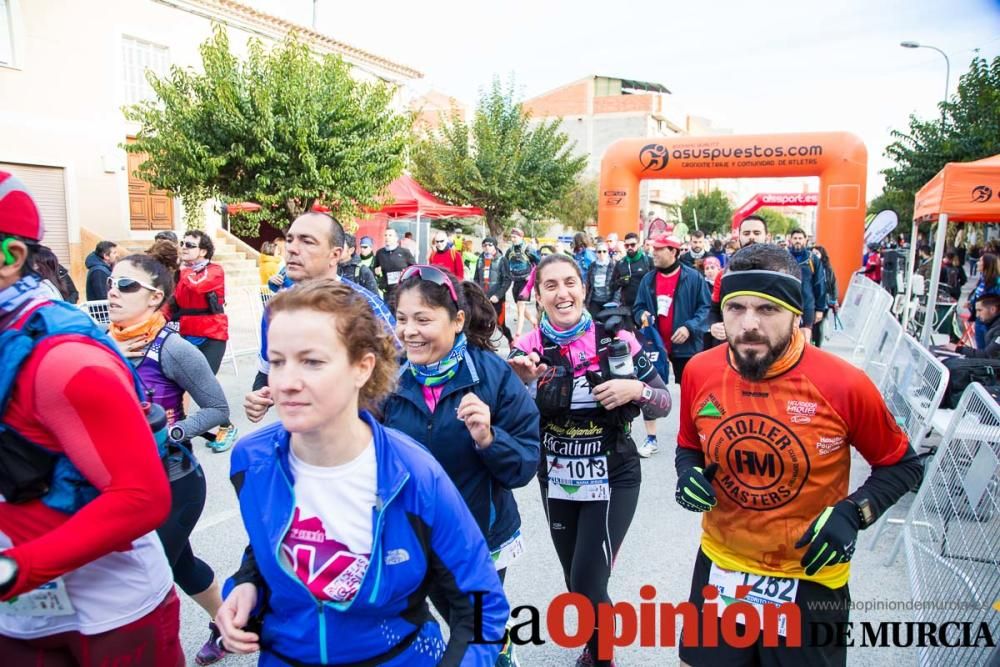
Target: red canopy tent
{"type": "Point", "coordinates": [410, 199]}
{"type": "Point", "coordinates": [406, 198]}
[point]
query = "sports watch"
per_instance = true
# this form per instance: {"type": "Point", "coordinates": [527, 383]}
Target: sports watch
{"type": "Point", "coordinates": [177, 434]}
{"type": "Point", "coordinates": [864, 510]}
{"type": "Point", "coordinates": [8, 573]}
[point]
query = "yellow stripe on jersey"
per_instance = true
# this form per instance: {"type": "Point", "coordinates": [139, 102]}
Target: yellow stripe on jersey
{"type": "Point", "coordinates": [832, 576]}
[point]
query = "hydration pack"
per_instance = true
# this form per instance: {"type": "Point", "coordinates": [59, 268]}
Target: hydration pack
{"type": "Point", "coordinates": [554, 391]}
{"type": "Point", "coordinates": [519, 263]}
{"type": "Point", "coordinates": [29, 471]}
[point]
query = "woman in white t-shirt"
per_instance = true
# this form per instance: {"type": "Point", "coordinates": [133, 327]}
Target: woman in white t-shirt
{"type": "Point", "coordinates": [350, 523]}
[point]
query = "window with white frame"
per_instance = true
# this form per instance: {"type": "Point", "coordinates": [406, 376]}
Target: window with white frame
{"type": "Point", "coordinates": [6, 34]}
{"type": "Point", "coordinates": [138, 56]}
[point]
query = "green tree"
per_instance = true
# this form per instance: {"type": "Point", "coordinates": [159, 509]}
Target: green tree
{"type": "Point", "coordinates": [282, 128]}
{"type": "Point", "coordinates": [578, 205]}
{"type": "Point", "coordinates": [503, 163]}
{"type": "Point", "coordinates": [777, 222]}
{"type": "Point", "coordinates": [714, 211]}
{"type": "Point", "coordinates": [970, 131]}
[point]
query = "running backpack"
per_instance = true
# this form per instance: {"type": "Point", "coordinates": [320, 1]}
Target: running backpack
{"type": "Point", "coordinates": [554, 390]}
{"type": "Point", "coordinates": [519, 263]}
{"type": "Point", "coordinates": [29, 471]}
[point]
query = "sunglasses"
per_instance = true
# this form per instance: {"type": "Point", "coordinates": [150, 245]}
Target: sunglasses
{"type": "Point", "coordinates": [440, 241]}
{"type": "Point", "coordinates": [431, 274]}
{"type": "Point", "coordinates": [191, 245]}
{"type": "Point", "coordinates": [602, 252]}
{"type": "Point", "coordinates": [128, 285]}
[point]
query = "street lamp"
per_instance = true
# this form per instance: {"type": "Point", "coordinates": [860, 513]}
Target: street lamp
{"type": "Point", "coordinates": [947, 68]}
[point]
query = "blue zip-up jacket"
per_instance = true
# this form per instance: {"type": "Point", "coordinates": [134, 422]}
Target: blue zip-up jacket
{"type": "Point", "coordinates": [98, 273]}
{"type": "Point", "coordinates": [584, 258]}
{"type": "Point", "coordinates": [423, 534]}
{"type": "Point", "coordinates": [691, 303]}
{"type": "Point", "coordinates": [483, 477]}
{"type": "Point", "coordinates": [813, 285]}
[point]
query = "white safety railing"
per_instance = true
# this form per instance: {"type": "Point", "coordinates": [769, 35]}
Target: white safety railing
{"type": "Point", "coordinates": [864, 303]}
{"type": "Point", "coordinates": [879, 352]}
{"type": "Point", "coordinates": [912, 385]}
{"type": "Point", "coordinates": [244, 306]}
{"type": "Point", "coordinates": [98, 311]}
{"type": "Point", "coordinates": [951, 535]}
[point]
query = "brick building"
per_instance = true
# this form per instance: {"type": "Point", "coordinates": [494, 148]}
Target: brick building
{"type": "Point", "coordinates": [596, 111]}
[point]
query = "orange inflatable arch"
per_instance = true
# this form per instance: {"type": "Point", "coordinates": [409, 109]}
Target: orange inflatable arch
{"type": "Point", "coordinates": [839, 159]}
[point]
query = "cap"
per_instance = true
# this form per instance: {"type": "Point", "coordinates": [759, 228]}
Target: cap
{"type": "Point", "coordinates": [664, 241]}
{"type": "Point", "coordinates": [366, 241]}
{"type": "Point", "coordinates": [19, 215]}
{"type": "Point", "coordinates": [516, 230]}
{"type": "Point", "coordinates": [712, 260]}
{"type": "Point", "coordinates": [489, 239]}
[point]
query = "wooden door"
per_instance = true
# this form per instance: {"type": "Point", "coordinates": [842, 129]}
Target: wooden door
{"type": "Point", "coordinates": [148, 208]}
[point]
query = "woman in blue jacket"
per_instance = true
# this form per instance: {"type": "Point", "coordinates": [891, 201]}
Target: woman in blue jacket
{"type": "Point", "coordinates": [463, 402]}
{"type": "Point", "coordinates": [350, 523]}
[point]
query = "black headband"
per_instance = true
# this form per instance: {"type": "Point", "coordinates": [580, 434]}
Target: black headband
{"type": "Point", "coordinates": [778, 288]}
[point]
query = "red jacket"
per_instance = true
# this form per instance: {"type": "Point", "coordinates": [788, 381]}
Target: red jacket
{"type": "Point", "coordinates": [874, 267]}
{"type": "Point", "coordinates": [193, 294]}
{"type": "Point", "coordinates": [450, 260]}
{"type": "Point", "coordinates": [74, 397]}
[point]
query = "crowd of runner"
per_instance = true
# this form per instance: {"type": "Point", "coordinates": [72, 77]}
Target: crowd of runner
{"type": "Point", "coordinates": [384, 487]}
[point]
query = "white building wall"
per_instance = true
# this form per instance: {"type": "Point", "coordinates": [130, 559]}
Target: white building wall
{"type": "Point", "coordinates": [60, 102]}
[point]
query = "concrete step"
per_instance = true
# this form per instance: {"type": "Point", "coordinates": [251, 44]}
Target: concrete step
{"type": "Point", "coordinates": [241, 270]}
{"type": "Point", "coordinates": [240, 274]}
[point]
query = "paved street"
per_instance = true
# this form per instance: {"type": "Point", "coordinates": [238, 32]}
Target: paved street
{"type": "Point", "coordinates": [659, 550]}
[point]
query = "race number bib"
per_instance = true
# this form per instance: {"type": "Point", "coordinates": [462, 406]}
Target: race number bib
{"type": "Point", "coordinates": [663, 303]}
{"type": "Point", "coordinates": [579, 479]}
{"type": "Point", "coordinates": [508, 552]}
{"type": "Point", "coordinates": [392, 277]}
{"type": "Point", "coordinates": [600, 280]}
{"type": "Point", "coordinates": [764, 589]}
{"type": "Point", "coordinates": [49, 599]}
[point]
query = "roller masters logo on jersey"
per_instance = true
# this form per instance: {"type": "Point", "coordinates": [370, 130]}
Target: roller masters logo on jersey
{"type": "Point", "coordinates": [766, 463]}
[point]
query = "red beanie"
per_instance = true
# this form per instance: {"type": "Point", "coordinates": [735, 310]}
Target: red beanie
{"type": "Point", "coordinates": [18, 214]}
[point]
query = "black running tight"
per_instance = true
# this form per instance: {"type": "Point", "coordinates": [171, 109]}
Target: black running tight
{"type": "Point", "coordinates": [587, 537]}
{"type": "Point", "coordinates": [191, 573]}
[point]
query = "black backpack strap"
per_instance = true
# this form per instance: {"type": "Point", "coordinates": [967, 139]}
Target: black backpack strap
{"type": "Point", "coordinates": [603, 339]}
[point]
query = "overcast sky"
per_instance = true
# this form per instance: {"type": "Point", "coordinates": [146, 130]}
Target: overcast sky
{"type": "Point", "coordinates": [775, 66]}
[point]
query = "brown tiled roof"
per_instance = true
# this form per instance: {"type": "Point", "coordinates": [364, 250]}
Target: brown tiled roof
{"type": "Point", "coordinates": [236, 10]}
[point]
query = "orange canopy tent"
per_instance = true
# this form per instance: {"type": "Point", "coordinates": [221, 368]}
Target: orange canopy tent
{"type": "Point", "coordinates": [960, 192]}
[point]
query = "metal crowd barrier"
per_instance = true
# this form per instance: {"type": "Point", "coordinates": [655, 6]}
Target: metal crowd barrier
{"type": "Point", "coordinates": [863, 303]}
{"type": "Point", "coordinates": [912, 384]}
{"type": "Point", "coordinates": [879, 352]}
{"type": "Point", "coordinates": [98, 311]}
{"type": "Point", "coordinates": [245, 307]}
{"type": "Point", "coordinates": [951, 535]}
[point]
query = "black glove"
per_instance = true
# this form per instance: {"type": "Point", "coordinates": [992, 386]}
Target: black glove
{"type": "Point", "coordinates": [833, 536]}
{"type": "Point", "coordinates": [694, 489]}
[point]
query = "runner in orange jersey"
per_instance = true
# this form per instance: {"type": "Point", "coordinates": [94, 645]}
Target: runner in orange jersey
{"type": "Point", "coordinates": [766, 427]}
